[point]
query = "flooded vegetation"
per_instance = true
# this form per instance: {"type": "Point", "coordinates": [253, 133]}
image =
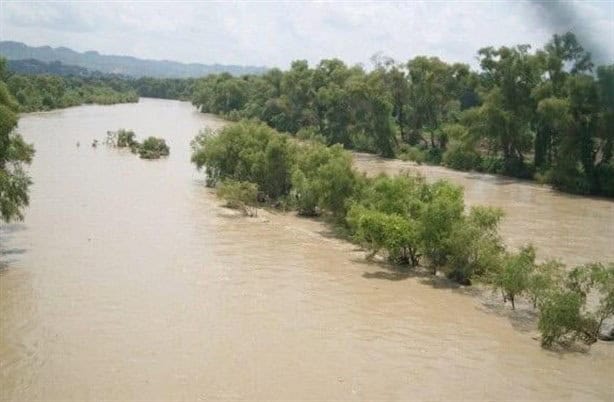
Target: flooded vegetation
{"type": "Point", "coordinates": [140, 285]}
{"type": "Point", "coordinates": [150, 148]}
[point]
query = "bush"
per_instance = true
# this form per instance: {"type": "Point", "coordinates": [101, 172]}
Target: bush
{"type": "Point", "coordinates": [560, 318]}
{"type": "Point", "coordinates": [239, 195]}
{"type": "Point", "coordinates": [514, 277]}
{"type": "Point", "coordinates": [441, 213]}
{"type": "Point", "coordinates": [474, 246]}
{"type": "Point", "coordinates": [409, 153]}
{"type": "Point", "coordinates": [153, 148]}
{"type": "Point", "coordinates": [121, 138]}
{"type": "Point", "coordinates": [390, 232]}
{"type": "Point", "coordinates": [434, 156]}
{"type": "Point", "coordinates": [310, 134]}
{"type": "Point", "coordinates": [604, 178]}
{"type": "Point", "coordinates": [246, 151]}
{"type": "Point", "coordinates": [461, 158]}
{"type": "Point", "coordinates": [126, 138]}
{"type": "Point", "coordinates": [323, 178]}
{"type": "Point", "coordinates": [491, 164]}
{"type": "Point", "coordinates": [544, 279]}
{"type": "Point", "coordinates": [564, 314]}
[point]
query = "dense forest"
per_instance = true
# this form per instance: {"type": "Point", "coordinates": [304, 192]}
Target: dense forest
{"type": "Point", "coordinates": [164, 88]}
{"type": "Point", "coordinates": [546, 114]}
{"type": "Point", "coordinates": [40, 92]}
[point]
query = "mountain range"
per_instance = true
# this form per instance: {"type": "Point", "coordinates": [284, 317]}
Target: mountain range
{"type": "Point", "coordinates": [122, 65]}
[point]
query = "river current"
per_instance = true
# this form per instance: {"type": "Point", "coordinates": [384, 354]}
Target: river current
{"type": "Point", "coordinates": [128, 281]}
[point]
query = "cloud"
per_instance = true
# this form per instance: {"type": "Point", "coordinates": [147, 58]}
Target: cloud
{"type": "Point", "coordinates": [592, 22]}
{"type": "Point", "coordinates": [275, 33]}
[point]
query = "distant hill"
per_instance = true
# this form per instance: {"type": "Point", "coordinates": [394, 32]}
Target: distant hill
{"type": "Point", "coordinates": [124, 65]}
{"type": "Point", "coordinates": [35, 67]}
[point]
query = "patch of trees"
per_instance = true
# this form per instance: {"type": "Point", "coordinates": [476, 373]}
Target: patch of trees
{"type": "Point", "coordinates": [150, 148]}
{"type": "Point", "coordinates": [164, 88]}
{"type": "Point", "coordinates": [404, 219]}
{"type": "Point", "coordinates": [546, 114]}
{"type": "Point", "coordinates": [15, 153]}
{"type": "Point", "coordinates": [47, 92]}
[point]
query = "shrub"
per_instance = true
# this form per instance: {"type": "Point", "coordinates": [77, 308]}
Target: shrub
{"type": "Point", "coordinates": [390, 232]}
{"type": "Point", "coordinates": [461, 158]}
{"type": "Point", "coordinates": [442, 211]}
{"type": "Point", "coordinates": [560, 317]}
{"type": "Point", "coordinates": [409, 153]}
{"type": "Point", "coordinates": [433, 156]}
{"type": "Point", "coordinates": [246, 151]}
{"type": "Point", "coordinates": [239, 195]}
{"type": "Point", "coordinates": [515, 274]}
{"type": "Point", "coordinates": [545, 278]}
{"type": "Point", "coordinates": [153, 148]}
{"type": "Point", "coordinates": [474, 247]}
{"type": "Point", "coordinates": [126, 138]}
{"type": "Point", "coordinates": [121, 138]}
{"type": "Point", "coordinates": [310, 134]}
{"type": "Point", "coordinates": [323, 178]}
{"type": "Point", "coordinates": [491, 164]}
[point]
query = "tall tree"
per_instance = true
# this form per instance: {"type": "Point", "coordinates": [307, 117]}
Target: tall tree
{"type": "Point", "coordinates": [14, 153]}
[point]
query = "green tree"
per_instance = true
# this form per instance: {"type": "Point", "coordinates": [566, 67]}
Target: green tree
{"type": "Point", "coordinates": [474, 246]}
{"type": "Point", "coordinates": [443, 210]}
{"type": "Point", "coordinates": [14, 154]}
{"type": "Point", "coordinates": [239, 195]}
{"type": "Point", "coordinates": [515, 274]}
{"type": "Point", "coordinates": [323, 179]}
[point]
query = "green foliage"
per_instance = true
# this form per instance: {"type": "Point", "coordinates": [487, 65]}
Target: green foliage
{"type": "Point", "coordinates": [323, 179]}
{"type": "Point", "coordinates": [247, 151]}
{"type": "Point", "coordinates": [239, 195]}
{"type": "Point", "coordinates": [545, 278]}
{"type": "Point", "coordinates": [521, 104]}
{"type": "Point", "coordinates": [460, 157]}
{"type": "Point", "coordinates": [409, 153]}
{"type": "Point", "coordinates": [405, 219]}
{"type": "Point", "coordinates": [14, 154]}
{"type": "Point", "coordinates": [514, 276]}
{"type": "Point", "coordinates": [560, 316]}
{"type": "Point", "coordinates": [474, 246]}
{"type": "Point", "coordinates": [47, 92]}
{"type": "Point", "coordinates": [122, 138]}
{"type": "Point", "coordinates": [390, 232]}
{"type": "Point", "coordinates": [153, 148]}
{"type": "Point", "coordinates": [310, 134]}
{"type": "Point", "coordinates": [442, 212]}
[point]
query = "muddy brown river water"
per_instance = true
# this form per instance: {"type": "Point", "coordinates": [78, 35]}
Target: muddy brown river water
{"type": "Point", "coordinates": [128, 281]}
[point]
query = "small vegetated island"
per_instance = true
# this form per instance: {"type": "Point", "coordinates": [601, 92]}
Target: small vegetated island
{"type": "Point", "coordinates": [150, 148]}
{"type": "Point", "coordinates": [413, 224]}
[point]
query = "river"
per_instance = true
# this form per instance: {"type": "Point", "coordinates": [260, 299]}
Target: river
{"type": "Point", "coordinates": [128, 281]}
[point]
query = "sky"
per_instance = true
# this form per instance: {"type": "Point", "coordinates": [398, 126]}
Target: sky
{"type": "Point", "coordinates": [273, 33]}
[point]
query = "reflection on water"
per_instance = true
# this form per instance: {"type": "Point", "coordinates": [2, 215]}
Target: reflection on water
{"type": "Point", "coordinates": [128, 282]}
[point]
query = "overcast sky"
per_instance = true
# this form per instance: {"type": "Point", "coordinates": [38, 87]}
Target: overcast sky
{"type": "Point", "coordinates": [275, 33]}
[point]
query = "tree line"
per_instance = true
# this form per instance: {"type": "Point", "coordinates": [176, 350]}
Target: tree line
{"type": "Point", "coordinates": [406, 220]}
{"type": "Point", "coordinates": [47, 92]}
{"type": "Point", "coordinates": [546, 114]}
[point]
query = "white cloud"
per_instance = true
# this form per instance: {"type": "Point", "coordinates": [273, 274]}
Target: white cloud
{"type": "Point", "coordinates": [275, 33]}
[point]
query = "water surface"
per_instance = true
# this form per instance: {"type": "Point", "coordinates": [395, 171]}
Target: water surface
{"type": "Point", "coordinates": [127, 281]}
